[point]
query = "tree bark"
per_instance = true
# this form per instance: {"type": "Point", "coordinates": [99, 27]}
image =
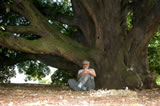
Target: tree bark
{"type": "Point", "coordinates": [117, 73]}
{"type": "Point", "coordinates": [50, 60]}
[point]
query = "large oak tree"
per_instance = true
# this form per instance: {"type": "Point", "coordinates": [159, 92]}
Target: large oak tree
{"type": "Point", "coordinates": [117, 53]}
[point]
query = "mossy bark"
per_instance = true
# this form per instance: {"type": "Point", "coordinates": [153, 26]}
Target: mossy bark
{"type": "Point", "coordinates": [114, 73]}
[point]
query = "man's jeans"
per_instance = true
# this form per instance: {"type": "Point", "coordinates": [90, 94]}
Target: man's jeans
{"type": "Point", "coordinates": [87, 83]}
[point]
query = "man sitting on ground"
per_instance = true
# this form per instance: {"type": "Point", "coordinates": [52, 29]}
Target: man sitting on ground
{"type": "Point", "coordinates": [85, 79]}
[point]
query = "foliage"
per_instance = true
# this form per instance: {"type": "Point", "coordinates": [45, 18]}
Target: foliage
{"type": "Point", "coordinates": [12, 18]}
{"type": "Point", "coordinates": [61, 77]}
{"type": "Point", "coordinates": [6, 72]}
{"type": "Point", "coordinates": [62, 6]}
{"type": "Point", "coordinates": [45, 81]}
{"type": "Point", "coordinates": [130, 20]}
{"type": "Point", "coordinates": [158, 80]}
{"type": "Point", "coordinates": [34, 70]}
{"type": "Point", "coordinates": [154, 53]}
{"type": "Point", "coordinates": [7, 53]}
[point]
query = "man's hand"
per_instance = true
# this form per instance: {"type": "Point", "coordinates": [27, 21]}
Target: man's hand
{"type": "Point", "coordinates": [86, 71]}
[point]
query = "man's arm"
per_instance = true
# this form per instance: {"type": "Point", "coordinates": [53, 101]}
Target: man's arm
{"type": "Point", "coordinates": [79, 75]}
{"type": "Point", "coordinates": [92, 74]}
{"type": "Point", "coordinates": [85, 71]}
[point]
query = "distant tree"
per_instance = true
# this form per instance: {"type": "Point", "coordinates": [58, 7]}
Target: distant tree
{"type": "Point", "coordinates": [34, 70]}
{"type": "Point", "coordinates": [61, 77]}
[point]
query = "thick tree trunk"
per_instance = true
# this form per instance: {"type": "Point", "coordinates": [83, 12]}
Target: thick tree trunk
{"type": "Point", "coordinates": [121, 59]}
{"type": "Point", "coordinates": [114, 73]}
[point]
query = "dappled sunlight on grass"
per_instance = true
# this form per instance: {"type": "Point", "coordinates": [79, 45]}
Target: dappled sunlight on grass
{"type": "Point", "coordinates": [103, 93]}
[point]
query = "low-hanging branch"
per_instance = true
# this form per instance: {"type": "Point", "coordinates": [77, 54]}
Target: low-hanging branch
{"type": "Point", "coordinates": [51, 60]}
{"type": "Point", "coordinates": [27, 9]}
{"type": "Point", "coordinates": [142, 6]}
{"type": "Point", "coordinates": [69, 20]}
{"type": "Point", "coordinates": [20, 57]}
{"type": "Point", "coordinates": [151, 20]}
{"type": "Point", "coordinates": [143, 31]}
{"type": "Point", "coordinates": [22, 29]}
{"type": "Point", "coordinates": [8, 40]}
{"type": "Point", "coordinates": [58, 62]}
{"type": "Point", "coordinates": [28, 29]}
{"type": "Point", "coordinates": [72, 51]}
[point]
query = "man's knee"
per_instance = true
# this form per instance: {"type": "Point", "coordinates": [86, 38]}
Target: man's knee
{"type": "Point", "coordinates": [70, 81]}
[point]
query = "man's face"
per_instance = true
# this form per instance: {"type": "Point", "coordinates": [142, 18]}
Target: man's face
{"type": "Point", "coordinates": [85, 64]}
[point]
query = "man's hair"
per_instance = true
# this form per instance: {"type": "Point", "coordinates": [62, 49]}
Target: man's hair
{"type": "Point", "coordinates": [86, 61]}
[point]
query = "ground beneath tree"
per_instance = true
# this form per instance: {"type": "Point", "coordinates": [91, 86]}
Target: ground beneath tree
{"type": "Point", "coordinates": [35, 95]}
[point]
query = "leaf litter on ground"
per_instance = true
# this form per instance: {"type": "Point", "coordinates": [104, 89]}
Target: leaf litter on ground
{"type": "Point", "coordinates": [49, 95]}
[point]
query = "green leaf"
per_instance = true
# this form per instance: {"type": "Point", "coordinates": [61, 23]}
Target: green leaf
{"type": "Point", "coordinates": [158, 80]}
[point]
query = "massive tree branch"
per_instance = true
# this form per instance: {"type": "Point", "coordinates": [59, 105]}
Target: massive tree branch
{"type": "Point", "coordinates": [29, 29]}
{"type": "Point", "coordinates": [139, 37]}
{"type": "Point", "coordinates": [22, 29]}
{"type": "Point", "coordinates": [69, 20]}
{"type": "Point", "coordinates": [51, 60]}
{"type": "Point", "coordinates": [142, 6]}
{"type": "Point", "coordinates": [38, 22]}
{"type": "Point", "coordinates": [91, 6]}
{"type": "Point", "coordinates": [20, 57]}
{"type": "Point", "coordinates": [72, 21]}
{"type": "Point", "coordinates": [64, 47]}
{"type": "Point", "coordinates": [58, 62]}
{"type": "Point", "coordinates": [27, 9]}
{"type": "Point", "coordinates": [85, 22]}
{"type": "Point", "coordinates": [126, 7]}
{"type": "Point", "coordinates": [8, 40]}
{"type": "Point", "coordinates": [81, 20]}
{"type": "Point", "coordinates": [57, 44]}
{"type": "Point", "coordinates": [150, 23]}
